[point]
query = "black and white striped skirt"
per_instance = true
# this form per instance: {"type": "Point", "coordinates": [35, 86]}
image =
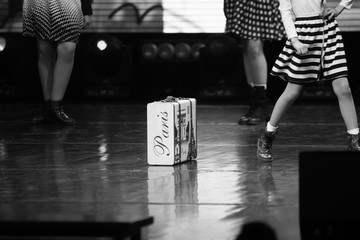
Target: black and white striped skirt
{"type": "Point", "coordinates": [325, 59]}
{"type": "Point", "coordinates": [53, 20]}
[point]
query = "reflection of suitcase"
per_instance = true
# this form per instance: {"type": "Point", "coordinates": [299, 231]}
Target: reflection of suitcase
{"type": "Point", "coordinates": [171, 131]}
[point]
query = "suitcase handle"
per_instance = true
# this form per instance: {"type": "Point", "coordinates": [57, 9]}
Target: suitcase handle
{"type": "Point", "coordinates": [170, 99]}
{"type": "Point", "coordinates": [173, 99]}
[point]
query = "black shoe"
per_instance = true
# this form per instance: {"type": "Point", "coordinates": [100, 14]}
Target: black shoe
{"type": "Point", "coordinates": [261, 112]}
{"type": "Point", "coordinates": [245, 119]}
{"type": "Point", "coordinates": [57, 114]}
{"type": "Point", "coordinates": [41, 118]}
{"type": "Point", "coordinates": [259, 116]}
{"type": "Point", "coordinates": [264, 146]}
{"type": "Point", "coordinates": [353, 142]}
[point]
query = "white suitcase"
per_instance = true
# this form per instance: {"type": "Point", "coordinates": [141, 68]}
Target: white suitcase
{"type": "Point", "coordinates": [171, 131]}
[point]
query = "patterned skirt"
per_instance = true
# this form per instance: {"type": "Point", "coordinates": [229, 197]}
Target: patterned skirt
{"type": "Point", "coordinates": [254, 19]}
{"type": "Point", "coordinates": [325, 59]}
{"type": "Point", "coordinates": [53, 20]}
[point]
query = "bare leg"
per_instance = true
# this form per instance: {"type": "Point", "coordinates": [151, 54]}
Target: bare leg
{"type": "Point", "coordinates": [46, 64]}
{"type": "Point", "coordinates": [287, 98]}
{"type": "Point", "coordinates": [347, 108]}
{"type": "Point", "coordinates": [255, 62]}
{"type": "Point", "coordinates": [247, 68]}
{"type": "Point", "coordinates": [346, 103]}
{"type": "Point", "coordinates": [250, 88]}
{"type": "Point", "coordinates": [63, 69]}
{"type": "Point", "coordinates": [65, 53]}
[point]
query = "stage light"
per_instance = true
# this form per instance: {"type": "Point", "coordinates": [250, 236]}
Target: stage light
{"type": "Point", "coordinates": [195, 49]}
{"type": "Point", "coordinates": [182, 50]}
{"type": "Point", "coordinates": [102, 45]}
{"type": "Point", "coordinates": [166, 51]}
{"type": "Point", "coordinates": [2, 44]}
{"type": "Point", "coordinates": [149, 51]}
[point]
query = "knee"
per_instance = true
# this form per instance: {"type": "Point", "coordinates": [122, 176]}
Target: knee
{"type": "Point", "coordinates": [254, 48]}
{"type": "Point", "coordinates": [45, 51]}
{"type": "Point", "coordinates": [66, 51]}
{"type": "Point", "coordinates": [341, 87]}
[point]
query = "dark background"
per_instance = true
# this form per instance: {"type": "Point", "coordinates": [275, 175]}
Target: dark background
{"type": "Point", "coordinates": [136, 78]}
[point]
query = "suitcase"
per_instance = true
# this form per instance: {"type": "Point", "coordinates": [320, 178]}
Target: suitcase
{"type": "Point", "coordinates": [171, 131]}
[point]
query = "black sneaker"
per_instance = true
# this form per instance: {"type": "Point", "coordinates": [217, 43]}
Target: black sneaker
{"type": "Point", "coordinates": [264, 146]}
{"type": "Point", "coordinates": [353, 145]}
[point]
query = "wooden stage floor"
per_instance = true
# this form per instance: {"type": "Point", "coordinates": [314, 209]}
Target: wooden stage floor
{"type": "Point", "coordinates": [99, 166]}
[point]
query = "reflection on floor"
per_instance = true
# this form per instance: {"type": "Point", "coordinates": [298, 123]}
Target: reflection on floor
{"type": "Point", "coordinates": [99, 166]}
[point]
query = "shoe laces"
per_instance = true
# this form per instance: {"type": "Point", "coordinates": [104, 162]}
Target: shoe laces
{"type": "Point", "coordinates": [267, 141]}
{"type": "Point", "coordinates": [354, 137]}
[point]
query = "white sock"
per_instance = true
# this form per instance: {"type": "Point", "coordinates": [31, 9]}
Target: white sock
{"type": "Point", "coordinates": [354, 131]}
{"type": "Point", "coordinates": [271, 128]}
{"type": "Point", "coordinates": [261, 85]}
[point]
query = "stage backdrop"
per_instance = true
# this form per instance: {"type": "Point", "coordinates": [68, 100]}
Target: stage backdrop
{"type": "Point", "coordinates": [157, 16]}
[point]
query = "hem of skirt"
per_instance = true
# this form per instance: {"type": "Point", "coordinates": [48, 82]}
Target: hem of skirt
{"type": "Point", "coordinates": [286, 78]}
{"type": "Point", "coordinates": [266, 39]}
{"type": "Point", "coordinates": [239, 35]}
{"type": "Point", "coordinates": [48, 39]}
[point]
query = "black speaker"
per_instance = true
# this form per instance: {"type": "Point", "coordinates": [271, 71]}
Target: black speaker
{"type": "Point", "coordinates": [329, 184]}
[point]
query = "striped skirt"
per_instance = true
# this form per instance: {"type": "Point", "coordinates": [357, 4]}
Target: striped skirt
{"type": "Point", "coordinates": [325, 59]}
{"type": "Point", "coordinates": [250, 19]}
{"type": "Point", "coordinates": [53, 20]}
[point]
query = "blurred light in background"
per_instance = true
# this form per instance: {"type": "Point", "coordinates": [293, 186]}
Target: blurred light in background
{"type": "Point", "coordinates": [101, 45]}
{"type": "Point", "coordinates": [2, 44]}
{"type": "Point", "coordinates": [149, 51]}
{"type": "Point", "coordinates": [166, 51]}
{"type": "Point", "coordinates": [195, 49]}
{"type": "Point", "coordinates": [182, 50]}
{"type": "Point", "coordinates": [172, 50]}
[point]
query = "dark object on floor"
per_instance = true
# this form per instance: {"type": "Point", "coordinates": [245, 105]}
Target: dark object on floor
{"type": "Point", "coordinates": [73, 226]}
{"type": "Point", "coordinates": [329, 195]}
{"type": "Point", "coordinates": [257, 231]}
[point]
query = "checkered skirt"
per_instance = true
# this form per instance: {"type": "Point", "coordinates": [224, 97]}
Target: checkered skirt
{"type": "Point", "coordinates": [254, 19]}
{"type": "Point", "coordinates": [325, 59]}
{"type": "Point", "coordinates": [54, 20]}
